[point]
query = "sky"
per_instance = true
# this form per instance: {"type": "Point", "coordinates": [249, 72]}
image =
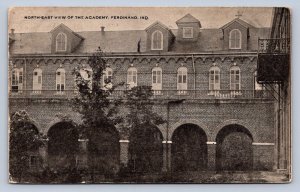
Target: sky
{"type": "Point", "coordinates": [209, 17]}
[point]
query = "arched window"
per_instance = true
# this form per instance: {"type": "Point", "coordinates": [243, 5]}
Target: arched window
{"type": "Point", "coordinates": [235, 39]}
{"type": "Point", "coordinates": [86, 74]}
{"type": "Point", "coordinates": [61, 42]}
{"type": "Point", "coordinates": [60, 80]}
{"type": "Point", "coordinates": [37, 80]}
{"type": "Point", "coordinates": [235, 78]}
{"type": "Point", "coordinates": [157, 80]}
{"type": "Point", "coordinates": [131, 77]}
{"type": "Point", "coordinates": [107, 78]}
{"type": "Point", "coordinates": [182, 80]}
{"type": "Point", "coordinates": [157, 40]}
{"type": "Point", "coordinates": [214, 78]}
{"type": "Point", "coordinates": [17, 80]}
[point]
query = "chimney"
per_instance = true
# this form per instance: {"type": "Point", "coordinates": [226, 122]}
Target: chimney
{"type": "Point", "coordinates": [102, 28]}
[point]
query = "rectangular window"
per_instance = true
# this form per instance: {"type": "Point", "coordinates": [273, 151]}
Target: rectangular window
{"type": "Point", "coordinates": [37, 81]}
{"type": "Point", "coordinates": [182, 81]}
{"type": "Point", "coordinates": [20, 77]}
{"type": "Point", "coordinates": [235, 80]}
{"type": "Point", "coordinates": [17, 80]}
{"type": "Point", "coordinates": [60, 80]}
{"type": "Point", "coordinates": [187, 32]}
{"type": "Point", "coordinates": [34, 161]}
{"type": "Point", "coordinates": [131, 78]}
{"type": "Point", "coordinates": [157, 80]}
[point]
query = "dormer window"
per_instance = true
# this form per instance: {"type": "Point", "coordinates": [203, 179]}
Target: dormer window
{"type": "Point", "coordinates": [235, 37]}
{"type": "Point", "coordinates": [61, 42]}
{"type": "Point", "coordinates": [187, 32]}
{"type": "Point", "coordinates": [157, 40]}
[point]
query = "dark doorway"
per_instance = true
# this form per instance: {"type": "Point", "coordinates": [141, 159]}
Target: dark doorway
{"type": "Point", "coordinates": [189, 149]}
{"type": "Point", "coordinates": [145, 149]}
{"type": "Point", "coordinates": [63, 145]}
{"type": "Point", "coordinates": [104, 150]}
{"type": "Point", "coordinates": [234, 149]}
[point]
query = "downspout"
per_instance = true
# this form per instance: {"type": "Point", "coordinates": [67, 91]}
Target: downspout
{"type": "Point", "coordinates": [25, 75]}
{"type": "Point", "coordinates": [193, 61]}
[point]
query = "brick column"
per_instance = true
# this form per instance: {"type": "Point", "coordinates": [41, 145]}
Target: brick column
{"type": "Point", "coordinates": [164, 167]}
{"type": "Point", "coordinates": [82, 156]}
{"type": "Point", "coordinates": [124, 144]}
{"type": "Point", "coordinates": [211, 155]}
{"type": "Point", "coordinates": [43, 151]}
{"type": "Point", "coordinates": [169, 145]}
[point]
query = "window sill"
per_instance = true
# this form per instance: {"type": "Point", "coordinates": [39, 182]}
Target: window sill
{"type": "Point", "coordinates": [36, 93]}
{"type": "Point", "coordinates": [60, 93]}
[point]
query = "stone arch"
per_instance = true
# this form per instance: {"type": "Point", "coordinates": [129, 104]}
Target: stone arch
{"type": "Point", "coordinates": [63, 145]}
{"type": "Point", "coordinates": [190, 121]}
{"type": "Point", "coordinates": [66, 61]}
{"type": "Point", "coordinates": [58, 61]}
{"type": "Point", "coordinates": [83, 61]}
{"type": "Point", "coordinates": [234, 149]}
{"type": "Point", "coordinates": [32, 121]}
{"type": "Point", "coordinates": [189, 148]}
{"type": "Point", "coordinates": [49, 61]}
{"type": "Point", "coordinates": [146, 149]}
{"type": "Point", "coordinates": [37, 125]}
{"type": "Point", "coordinates": [74, 122]}
{"type": "Point", "coordinates": [234, 121]}
{"type": "Point", "coordinates": [171, 59]}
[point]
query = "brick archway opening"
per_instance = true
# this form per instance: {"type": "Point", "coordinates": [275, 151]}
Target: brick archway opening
{"type": "Point", "coordinates": [63, 145]}
{"type": "Point", "coordinates": [145, 150]}
{"type": "Point", "coordinates": [21, 137]}
{"type": "Point", "coordinates": [234, 150]}
{"type": "Point", "coordinates": [189, 148]}
{"type": "Point", "coordinates": [104, 151]}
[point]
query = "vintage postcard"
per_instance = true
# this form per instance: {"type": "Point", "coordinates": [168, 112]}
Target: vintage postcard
{"type": "Point", "coordinates": [149, 95]}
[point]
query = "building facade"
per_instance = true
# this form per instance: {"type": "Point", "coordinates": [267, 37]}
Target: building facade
{"type": "Point", "coordinates": [204, 85]}
{"type": "Point", "coordinates": [275, 72]}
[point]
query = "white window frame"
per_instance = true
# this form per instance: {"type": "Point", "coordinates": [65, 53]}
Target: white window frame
{"type": "Point", "coordinates": [257, 86]}
{"type": "Point", "coordinates": [17, 79]}
{"type": "Point", "coordinates": [37, 79]}
{"type": "Point", "coordinates": [157, 80]}
{"type": "Point", "coordinates": [84, 74]}
{"type": "Point", "coordinates": [161, 42]}
{"type": "Point", "coordinates": [182, 80]}
{"type": "Point", "coordinates": [131, 77]}
{"type": "Point", "coordinates": [63, 37]}
{"type": "Point", "coordinates": [60, 75]}
{"type": "Point", "coordinates": [107, 74]}
{"type": "Point", "coordinates": [235, 72]}
{"type": "Point", "coordinates": [214, 80]}
{"type": "Point", "coordinates": [235, 38]}
{"type": "Point", "coordinates": [184, 29]}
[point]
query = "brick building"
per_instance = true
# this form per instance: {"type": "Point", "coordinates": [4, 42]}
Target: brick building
{"type": "Point", "coordinates": [204, 83]}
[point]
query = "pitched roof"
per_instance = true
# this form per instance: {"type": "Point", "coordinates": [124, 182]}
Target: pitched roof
{"type": "Point", "coordinates": [67, 28]}
{"type": "Point", "coordinates": [188, 18]}
{"type": "Point", "coordinates": [209, 40]}
{"type": "Point", "coordinates": [157, 23]}
{"type": "Point", "coordinates": [240, 21]}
